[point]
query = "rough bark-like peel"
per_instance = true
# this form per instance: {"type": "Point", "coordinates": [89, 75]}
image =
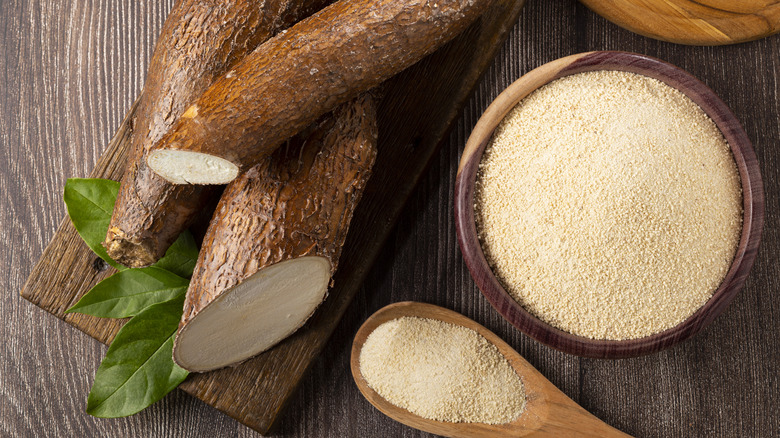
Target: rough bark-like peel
{"type": "Point", "coordinates": [295, 204]}
{"type": "Point", "coordinates": [299, 75]}
{"type": "Point", "coordinates": [200, 40]}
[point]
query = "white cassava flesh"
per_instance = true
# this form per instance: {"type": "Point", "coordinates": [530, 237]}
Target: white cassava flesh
{"type": "Point", "coordinates": [183, 167]}
{"type": "Point", "coordinates": [254, 315]}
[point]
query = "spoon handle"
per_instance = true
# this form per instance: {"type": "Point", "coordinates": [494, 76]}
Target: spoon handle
{"type": "Point", "coordinates": [567, 418]}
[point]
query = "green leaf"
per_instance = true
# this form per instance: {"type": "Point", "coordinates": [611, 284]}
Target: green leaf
{"type": "Point", "coordinates": [181, 256]}
{"type": "Point", "coordinates": [138, 370]}
{"type": "Point", "coordinates": [130, 291]}
{"type": "Point", "coordinates": [90, 202]}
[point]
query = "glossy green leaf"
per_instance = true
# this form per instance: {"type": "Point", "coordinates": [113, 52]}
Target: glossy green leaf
{"type": "Point", "coordinates": [138, 370]}
{"type": "Point", "coordinates": [90, 202]}
{"type": "Point", "coordinates": [130, 291]}
{"type": "Point", "coordinates": [181, 256]}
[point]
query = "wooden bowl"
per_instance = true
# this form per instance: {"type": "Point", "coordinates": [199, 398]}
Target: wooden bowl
{"type": "Point", "coordinates": [752, 194]}
{"type": "Point", "coordinates": [703, 22]}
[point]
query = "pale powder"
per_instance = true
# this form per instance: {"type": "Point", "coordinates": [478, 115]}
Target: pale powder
{"type": "Point", "coordinates": [609, 205]}
{"type": "Point", "coordinates": [441, 371]}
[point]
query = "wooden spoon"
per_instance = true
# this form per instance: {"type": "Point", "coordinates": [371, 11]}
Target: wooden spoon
{"type": "Point", "coordinates": [548, 411]}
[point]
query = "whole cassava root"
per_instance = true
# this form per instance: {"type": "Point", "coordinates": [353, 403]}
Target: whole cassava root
{"type": "Point", "coordinates": [275, 240]}
{"type": "Point", "coordinates": [299, 75]}
{"type": "Point", "coordinates": [200, 40]}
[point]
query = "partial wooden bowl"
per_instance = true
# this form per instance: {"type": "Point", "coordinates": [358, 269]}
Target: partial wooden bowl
{"type": "Point", "coordinates": [752, 194]}
{"type": "Point", "coordinates": [696, 22]}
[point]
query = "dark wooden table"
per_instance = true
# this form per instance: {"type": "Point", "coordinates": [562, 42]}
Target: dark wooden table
{"type": "Point", "coordinates": [69, 71]}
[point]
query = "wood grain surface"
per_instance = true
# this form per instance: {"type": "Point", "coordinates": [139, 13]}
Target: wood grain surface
{"type": "Point", "coordinates": [70, 70]}
{"type": "Point", "coordinates": [705, 22]}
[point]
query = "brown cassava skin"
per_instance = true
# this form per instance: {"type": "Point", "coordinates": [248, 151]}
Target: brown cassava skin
{"type": "Point", "coordinates": [297, 202]}
{"type": "Point", "coordinates": [200, 40]}
{"type": "Point", "coordinates": [299, 75]}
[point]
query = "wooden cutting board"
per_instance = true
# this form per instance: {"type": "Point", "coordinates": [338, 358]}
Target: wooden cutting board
{"type": "Point", "coordinates": [418, 109]}
{"type": "Point", "coordinates": [697, 22]}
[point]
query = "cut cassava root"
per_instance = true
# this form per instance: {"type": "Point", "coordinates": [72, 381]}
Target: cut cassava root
{"type": "Point", "coordinates": [257, 313]}
{"type": "Point", "coordinates": [296, 77]}
{"type": "Point", "coordinates": [275, 240]}
{"type": "Point", "coordinates": [200, 40]}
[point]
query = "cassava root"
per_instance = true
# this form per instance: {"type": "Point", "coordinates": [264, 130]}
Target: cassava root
{"type": "Point", "coordinates": [200, 40]}
{"type": "Point", "coordinates": [275, 240]}
{"type": "Point", "coordinates": [299, 75]}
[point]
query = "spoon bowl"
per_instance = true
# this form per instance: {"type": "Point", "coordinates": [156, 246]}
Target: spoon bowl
{"type": "Point", "coordinates": [548, 411]}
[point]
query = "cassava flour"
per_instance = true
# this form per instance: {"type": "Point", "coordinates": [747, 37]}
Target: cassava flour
{"type": "Point", "coordinates": [609, 205]}
{"type": "Point", "coordinates": [441, 371]}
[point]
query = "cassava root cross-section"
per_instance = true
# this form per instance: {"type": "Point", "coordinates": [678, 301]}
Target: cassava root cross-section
{"type": "Point", "coordinates": [274, 241]}
{"type": "Point", "coordinates": [299, 75]}
{"type": "Point", "coordinates": [200, 40]}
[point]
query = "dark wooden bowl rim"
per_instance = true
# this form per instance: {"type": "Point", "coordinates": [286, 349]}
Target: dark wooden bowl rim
{"type": "Point", "coordinates": [752, 194]}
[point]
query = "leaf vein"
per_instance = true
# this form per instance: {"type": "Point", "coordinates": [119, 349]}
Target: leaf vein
{"type": "Point", "coordinates": [135, 372]}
